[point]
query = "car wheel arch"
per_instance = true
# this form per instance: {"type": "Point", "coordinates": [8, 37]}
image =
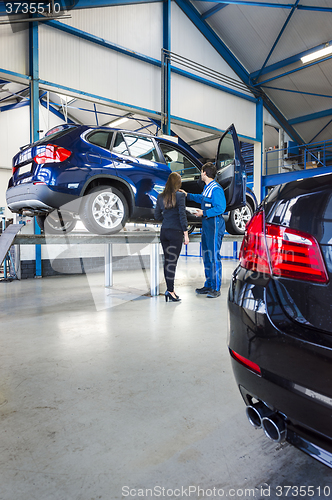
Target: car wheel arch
{"type": "Point", "coordinates": [112, 181]}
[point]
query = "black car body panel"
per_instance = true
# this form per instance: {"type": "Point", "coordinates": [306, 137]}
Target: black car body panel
{"type": "Point", "coordinates": [283, 325]}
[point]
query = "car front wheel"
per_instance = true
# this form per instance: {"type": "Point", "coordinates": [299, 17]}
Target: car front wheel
{"type": "Point", "coordinates": [104, 210]}
{"type": "Point", "coordinates": [238, 219]}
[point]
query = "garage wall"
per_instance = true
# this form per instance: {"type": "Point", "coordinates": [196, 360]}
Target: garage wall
{"type": "Point", "coordinates": [14, 49]}
{"type": "Point", "coordinates": [5, 174]}
{"type": "Point", "coordinates": [87, 67]}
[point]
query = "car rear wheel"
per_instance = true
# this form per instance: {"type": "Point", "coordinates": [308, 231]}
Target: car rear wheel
{"type": "Point", "coordinates": [104, 210]}
{"type": "Point", "coordinates": [56, 222]}
{"type": "Point", "coordinates": [238, 219]}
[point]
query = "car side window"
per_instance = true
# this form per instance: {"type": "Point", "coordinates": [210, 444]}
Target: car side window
{"type": "Point", "coordinates": [120, 145]}
{"type": "Point", "coordinates": [226, 152]}
{"type": "Point", "coordinates": [178, 162]}
{"type": "Point", "coordinates": [141, 147]}
{"type": "Point", "coordinates": [100, 138]}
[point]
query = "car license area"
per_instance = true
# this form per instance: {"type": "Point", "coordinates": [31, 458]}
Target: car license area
{"type": "Point", "coordinates": [25, 169]}
{"type": "Point", "coordinates": [25, 156]}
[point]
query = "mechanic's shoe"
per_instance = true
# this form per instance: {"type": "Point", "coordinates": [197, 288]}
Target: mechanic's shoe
{"type": "Point", "coordinates": [212, 294]}
{"type": "Point", "coordinates": [203, 291]}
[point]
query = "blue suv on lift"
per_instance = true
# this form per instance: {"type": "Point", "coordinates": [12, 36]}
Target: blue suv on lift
{"type": "Point", "coordinates": [108, 177]}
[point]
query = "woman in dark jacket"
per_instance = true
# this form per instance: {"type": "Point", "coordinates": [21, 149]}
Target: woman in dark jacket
{"type": "Point", "coordinates": [171, 210]}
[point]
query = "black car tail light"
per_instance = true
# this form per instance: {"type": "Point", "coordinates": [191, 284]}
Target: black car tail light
{"type": "Point", "coordinates": [50, 153]}
{"type": "Point", "coordinates": [246, 362]}
{"type": "Point", "coordinates": [282, 252]}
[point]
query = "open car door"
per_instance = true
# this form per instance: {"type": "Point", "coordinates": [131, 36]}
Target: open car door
{"type": "Point", "coordinates": [231, 173]}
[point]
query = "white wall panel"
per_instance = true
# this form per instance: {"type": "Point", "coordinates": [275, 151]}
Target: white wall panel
{"type": "Point", "coordinates": [194, 101]}
{"type": "Point", "coordinates": [5, 175]}
{"type": "Point", "coordinates": [14, 132]}
{"type": "Point", "coordinates": [90, 68]}
{"type": "Point", "coordinates": [187, 41]}
{"type": "Point", "coordinates": [14, 49]}
{"type": "Point", "coordinates": [135, 27]}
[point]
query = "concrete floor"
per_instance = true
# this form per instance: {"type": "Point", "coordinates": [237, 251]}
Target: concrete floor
{"type": "Point", "coordinates": [113, 394]}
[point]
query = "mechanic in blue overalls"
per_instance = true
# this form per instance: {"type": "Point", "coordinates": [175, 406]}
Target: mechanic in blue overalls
{"type": "Point", "coordinates": [213, 205]}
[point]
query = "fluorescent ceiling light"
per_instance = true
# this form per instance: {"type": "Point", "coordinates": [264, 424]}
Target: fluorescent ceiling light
{"type": "Point", "coordinates": [317, 55]}
{"type": "Point", "coordinates": [118, 121]}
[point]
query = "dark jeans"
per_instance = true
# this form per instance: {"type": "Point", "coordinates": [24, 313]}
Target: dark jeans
{"type": "Point", "coordinates": [171, 241]}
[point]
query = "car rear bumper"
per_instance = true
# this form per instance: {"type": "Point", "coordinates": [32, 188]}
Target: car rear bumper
{"type": "Point", "coordinates": [295, 365]}
{"type": "Point", "coordinates": [291, 407]}
{"type": "Point", "coordinates": [36, 198]}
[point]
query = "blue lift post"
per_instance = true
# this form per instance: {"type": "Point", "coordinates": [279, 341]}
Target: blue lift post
{"type": "Point", "coordinates": [166, 69]}
{"type": "Point", "coordinates": [34, 112]}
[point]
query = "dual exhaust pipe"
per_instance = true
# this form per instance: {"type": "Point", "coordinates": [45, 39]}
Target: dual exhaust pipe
{"type": "Point", "coordinates": [261, 417]}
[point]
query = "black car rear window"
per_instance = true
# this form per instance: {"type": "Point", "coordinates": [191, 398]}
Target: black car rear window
{"type": "Point", "coordinates": [100, 138]}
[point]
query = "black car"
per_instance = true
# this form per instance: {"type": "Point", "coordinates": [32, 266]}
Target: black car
{"type": "Point", "coordinates": [108, 176]}
{"type": "Point", "coordinates": [280, 308]}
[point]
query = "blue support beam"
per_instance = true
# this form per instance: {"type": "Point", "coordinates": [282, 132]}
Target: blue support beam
{"type": "Point", "coordinates": [259, 138]}
{"type": "Point", "coordinates": [213, 10]}
{"type": "Point", "coordinates": [34, 112]}
{"type": "Point", "coordinates": [310, 117]}
{"type": "Point", "coordinates": [276, 179]}
{"type": "Point", "coordinates": [96, 114]}
{"type": "Point", "coordinates": [297, 91]}
{"type": "Point", "coordinates": [56, 112]}
{"type": "Point", "coordinates": [101, 41]}
{"type": "Point", "coordinates": [95, 97]}
{"type": "Point", "coordinates": [88, 4]}
{"type": "Point", "coordinates": [136, 55]}
{"type": "Point", "coordinates": [318, 134]}
{"type": "Point", "coordinates": [214, 85]}
{"type": "Point", "coordinates": [248, 3]}
{"type": "Point", "coordinates": [166, 68]}
{"type": "Point", "coordinates": [301, 68]}
{"type": "Point", "coordinates": [14, 77]}
{"type": "Point", "coordinates": [279, 36]}
{"type": "Point", "coordinates": [16, 105]}
{"type": "Point", "coordinates": [287, 62]}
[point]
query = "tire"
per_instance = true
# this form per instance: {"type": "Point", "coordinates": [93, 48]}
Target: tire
{"type": "Point", "coordinates": [191, 228]}
{"type": "Point", "coordinates": [238, 219]}
{"type": "Point", "coordinates": [56, 222]}
{"type": "Point", "coordinates": [104, 210]}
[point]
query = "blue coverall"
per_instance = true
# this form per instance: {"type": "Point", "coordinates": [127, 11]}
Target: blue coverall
{"type": "Point", "coordinates": [213, 204]}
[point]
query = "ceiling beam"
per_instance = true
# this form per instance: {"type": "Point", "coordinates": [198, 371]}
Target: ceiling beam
{"type": "Point", "coordinates": [298, 92]}
{"type": "Point", "coordinates": [213, 10]}
{"type": "Point", "coordinates": [310, 117]}
{"type": "Point", "coordinates": [233, 62]}
{"type": "Point", "coordinates": [279, 36]}
{"type": "Point", "coordinates": [288, 61]}
{"type": "Point", "coordinates": [301, 68]}
{"type": "Point", "coordinates": [246, 3]}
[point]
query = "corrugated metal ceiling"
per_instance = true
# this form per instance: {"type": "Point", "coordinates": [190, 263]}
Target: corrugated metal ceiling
{"type": "Point", "coordinates": [259, 35]}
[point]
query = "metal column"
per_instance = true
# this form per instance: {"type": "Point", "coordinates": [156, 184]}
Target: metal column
{"type": "Point", "coordinates": [34, 111]}
{"type": "Point", "coordinates": [108, 265]}
{"type": "Point", "coordinates": [258, 150]}
{"type": "Point", "coordinates": [154, 269]}
{"type": "Point", "coordinates": [166, 70]}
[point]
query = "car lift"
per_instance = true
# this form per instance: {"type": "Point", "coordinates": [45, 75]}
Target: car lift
{"type": "Point", "coordinates": [6, 241]}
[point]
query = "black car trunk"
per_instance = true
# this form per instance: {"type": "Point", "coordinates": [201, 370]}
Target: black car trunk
{"type": "Point", "coordinates": [306, 206]}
